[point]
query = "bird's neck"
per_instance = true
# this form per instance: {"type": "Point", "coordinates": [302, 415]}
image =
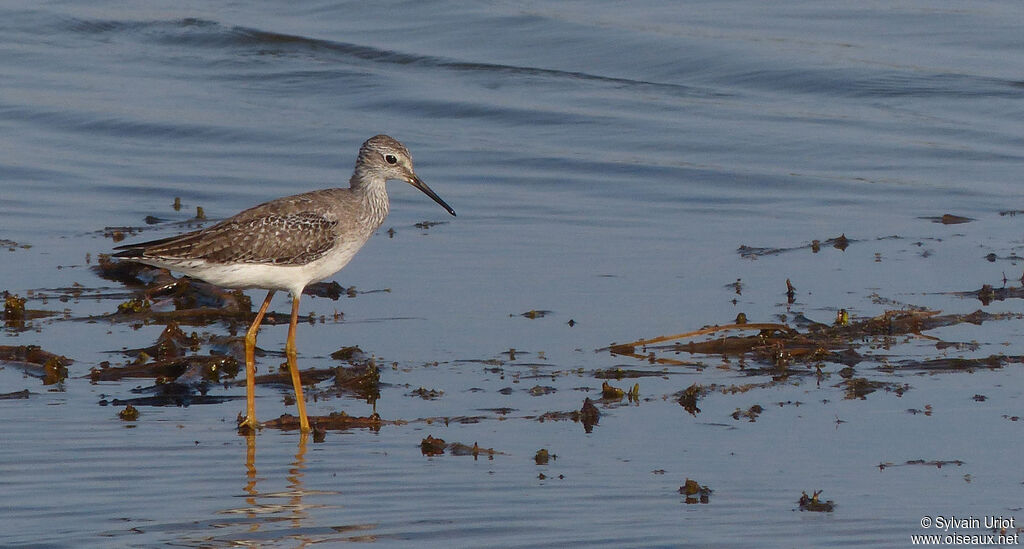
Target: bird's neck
{"type": "Point", "coordinates": [372, 191]}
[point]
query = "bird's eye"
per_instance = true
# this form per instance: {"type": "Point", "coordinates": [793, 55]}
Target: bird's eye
{"type": "Point", "coordinates": [391, 159]}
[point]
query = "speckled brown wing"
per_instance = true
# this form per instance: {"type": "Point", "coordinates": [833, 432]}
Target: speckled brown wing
{"type": "Point", "coordinates": [271, 239]}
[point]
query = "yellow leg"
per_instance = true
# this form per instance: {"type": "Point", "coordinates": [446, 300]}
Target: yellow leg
{"type": "Point", "coordinates": [293, 367]}
{"type": "Point", "coordinates": [250, 366]}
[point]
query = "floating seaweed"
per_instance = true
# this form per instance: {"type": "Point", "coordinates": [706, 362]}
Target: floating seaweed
{"type": "Point", "coordinates": [49, 367]}
{"type": "Point", "coordinates": [860, 387]}
{"type": "Point", "coordinates": [777, 349]}
{"type": "Point", "coordinates": [12, 245]}
{"type": "Point", "coordinates": [335, 421]}
{"type": "Point", "coordinates": [987, 293]}
{"type": "Point", "coordinates": [750, 414]}
{"type": "Point", "coordinates": [840, 243]}
{"type": "Point", "coordinates": [948, 219]}
{"type": "Point", "coordinates": [588, 415]}
{"type": "Point", "coordinates": [695, 492]}
{"type": "Point", "coordinates": [331, 290]}
{"type": "Point", "coordinates": [129, 413]}
{"type": "Point", "coordinates": [813, 504]}
{"type": "Point", "coordinates": [619, 373]}
{"type": "Point", "coordinates": [210, 368]}
{"type": "Point", "coordinates": [426, 394]}
{"type": "Point", "coordinates": [611, 393]}
{"type": "Point", "coordinates": [431, 446]}
{"type": "Point", "coordinates": [348, 354]}
{"type": "Point", "coordinates": [688, 398]}
{"type": "Point", "coordinates": [16, 316]}
{"type": "Point", "coordinates": [937, 463]}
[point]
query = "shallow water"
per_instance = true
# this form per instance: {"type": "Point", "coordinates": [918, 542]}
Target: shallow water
{"type": "Point", "coordinates": [606, 163]}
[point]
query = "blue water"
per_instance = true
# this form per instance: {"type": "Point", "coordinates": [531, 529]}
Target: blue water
{"type": "Point", "coordinates": [606, 161]}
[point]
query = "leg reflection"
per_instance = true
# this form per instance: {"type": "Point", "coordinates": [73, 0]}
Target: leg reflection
{"type": "Point", "coordinates": [251, 478]}
{"type": "Point", "coordinates": [295, 481]}
{"type": "Point", "coordinates": [284, 511]}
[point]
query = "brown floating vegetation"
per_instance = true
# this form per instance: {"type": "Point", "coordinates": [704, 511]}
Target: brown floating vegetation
{"type": "Point", "coordinates": [750, 414]}
{"type": "Point", "coordinates": [949, 219]}
{"type": "Point", "coordinates": [689, 397]}
{"type": "Point", "coordinates": [54, 371]}
{"type": "Point", "coordinates": [134, 305]}
{"type": "Point", "coordinates": [611, 393]}
{"type": "Point", "coordinates": [926, 411]}
{"type": "Point", "coordinates": [619, 373]}
{"type": "Point", "coordinates": [447, 420]}
{"type": "Point", "coordinates": [165, 370]}
{"type": "Point", "coordinates": [129, 413]}
{"type": "Point", "coordinates": [16, 315]}
{"type": "Point", "coordinates": [348, 353]}
{"type": "Point", "coordinates": [14, 308]}
{"type": "Point", "coordinates": [541, 390]}
{"type": "Point", "coordinates": [860, 387]}
{"type": "Point", "coordinates": [336, 421]}
{"type": "Point", "coordinates": [781, 351]}
{"type": "Point", "coordinates": [778, 346]}
{"type": "Point", "coordinates": [987, 294]}
{"type": "Point", "coordinates": [12, 245]}
{"type": "Point", "coordinates": [588, 415]}
{"type": "Point", "coordinates": [1013, 257]}
{"type": "Point", "coordinates": [695, 492]}
{"type": "Point", "coordinates": [362, 380]}
{"type": "Point", "coordinates": [52, 368]}
{"type": "Point", "coordinates": [814, 504]}
{"type": "Point", "coordinates": [172, 342]}
{"type": "Point", "coordinates": [459, 449]}
{"type": "Point", "coordinates": [937, 463]}
{"type": "Point", "coordinates": [331, 290]}
{"type": "Point", "coordinates": [630, 348]}
{"type": "Point", "coordinates": [431, 446]}
{"type": "Point", "coordinates": [840, 243]}
{"type": "Point", "coordinates": [426, 394]}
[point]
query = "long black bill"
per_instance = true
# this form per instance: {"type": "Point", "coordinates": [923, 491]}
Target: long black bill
{"type": "Point", "coordinates": [419, 184]}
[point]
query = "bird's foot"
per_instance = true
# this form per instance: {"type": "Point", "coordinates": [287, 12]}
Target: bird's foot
{"type": "Point", "coordinates": [247, 425]}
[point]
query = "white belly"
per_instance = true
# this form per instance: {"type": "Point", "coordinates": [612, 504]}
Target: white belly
{"type": "Point", "coordinates": [268, 277]}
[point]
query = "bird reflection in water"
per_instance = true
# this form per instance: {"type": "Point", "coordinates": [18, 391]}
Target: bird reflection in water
{"type": "Point", "coordinates": [286, 515]}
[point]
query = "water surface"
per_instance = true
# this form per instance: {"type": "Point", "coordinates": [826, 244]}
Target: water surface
{"type": "Point", "coordinates": [606, 163]}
